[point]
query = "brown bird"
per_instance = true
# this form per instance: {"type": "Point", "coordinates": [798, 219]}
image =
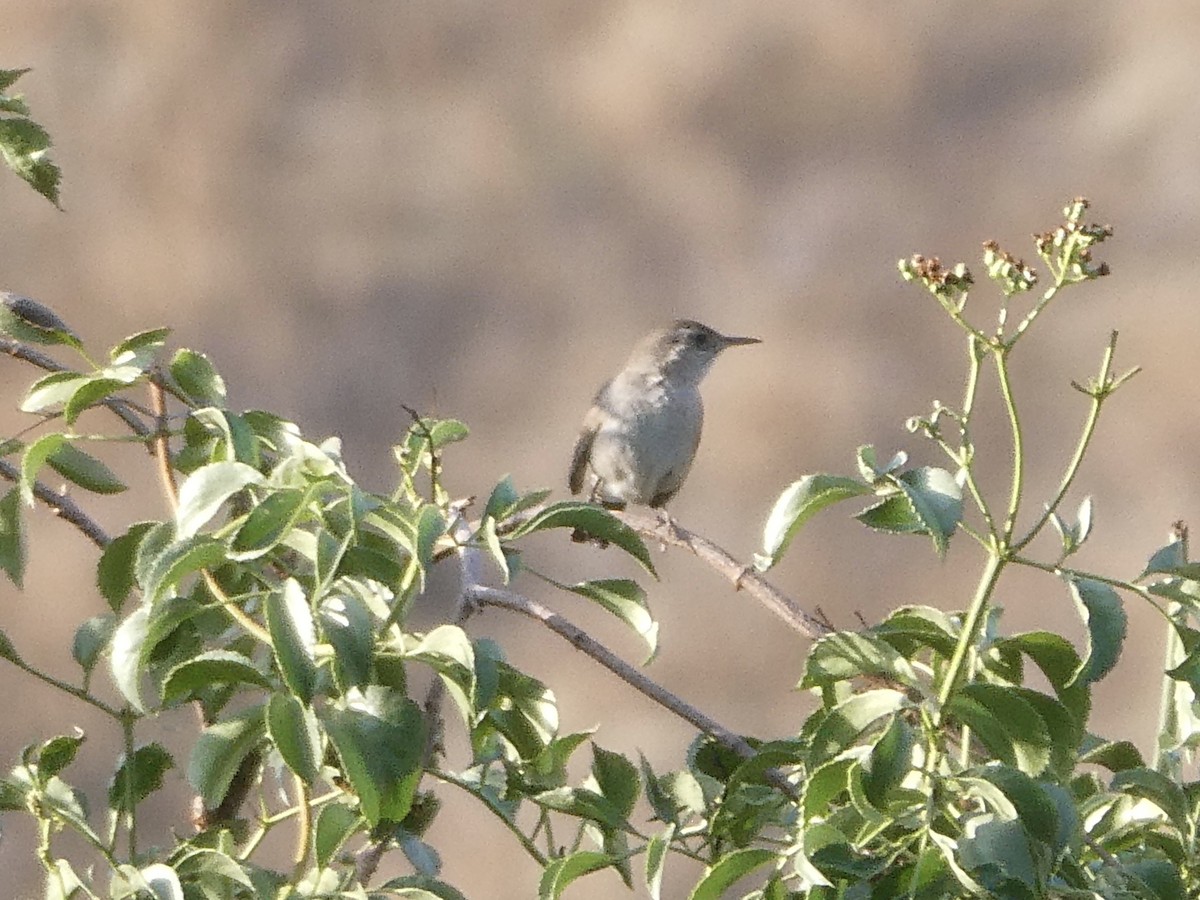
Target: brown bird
{"type": "Point", "coordinates": [640, 436]}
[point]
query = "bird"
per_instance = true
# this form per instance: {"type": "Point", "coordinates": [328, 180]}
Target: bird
{"type": "Point", "coordinates": [638, 440]}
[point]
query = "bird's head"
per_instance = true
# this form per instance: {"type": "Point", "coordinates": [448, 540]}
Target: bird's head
{"type": "Point", "coordinates": [683, 350]}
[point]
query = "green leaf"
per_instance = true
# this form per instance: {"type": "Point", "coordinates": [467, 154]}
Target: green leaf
{"type": "Point", "coordinates": [890, 762]}
{"type": "Point", "coordinates": [139, 350]}
{"type": "Point", "coordinates": [560, 872]}
{"type": "Point", "coordinates": [8, 650]}
{"type": "Point", "coordinates": [1161, 877]}
{"type": "Point", "coordinates": [843, 655]}
{"type": "Point", "coordinates": [583, 803]}
{"type": "Point", "coordinates": [293, 637]}
{"type": "Point", "coordinates": [1158, 789]}
{"type": "Point", "coordinates": [1116, 756]}
{"type": "Point", "coordinates": [346, 624]}
{"type": "Point", "coordinates": [125, 656]}
{"type": "Point", "coordinates": [115, 574]}
{"type": "Point", "coordinates": [868, 464]}
{"type": "Point", "coordinates": [25, 147]}
{"type": "Point", "coordinates": [1035, 808]}
{"type": "Point", "coordinates": [491, 540]}
{"type": "Point", "coordinates": [335, 823]}
{"type": "Point", "coordinates": [268, 523]}
{"type": "Point", "coordinates": [140, 777]}
{"type": "Point", "coordinates": [56, 754]}
{"type": "Point", "coordinates": [84, 470]}
{"type": "Point", "coordinates": [211, 870]}
{"type": "Point", "coordinates": [12, 537]}
{"type": "Point", "coordinates": [91, 639]}
{"type": "Point", "coordinates": [798, 503]}
{"type": "Point", "coordinates": [1010, 726]}
{"type": "Point", "coordinates": [206, 489]}
{"type": "Point", "coordinates": [178, 560]}
{"type": "Point", "coordinates": [62, 883]}
{"type": "Point", "coordinates": [380, 750]}
{"type": "Point", "coordinates": [593, 520]}
{"type": "Point", "coordinates": [657, 851]}
{"type": "Point", "coordinates": [505, 501]}
{"type": "Point", "coordinates": [35, 457]}
{"type": "Point", "coordinates": [617, 778]}
{"type": "Point", "coordinates": [998, 853]}
{"type": "Point", "coordinates": [421, 887]}
{"type": "Point", "coordinates": [911, 628]}
{"type": "Point", "coordinates": [89, 393]}
{"type": "Point", "coordinates": [30, 321]}
{"type": "Point", "coordinates": [929, 502]}
{"type": "Point", "coordinates": [197, 378]}
{"type": "Point", "coordinates": [237, 443]}
{"type": "Point", "coordinates": [844, 723]}
{"type": "Point", "coordinates": [1166, 560]}
{"type": "Point", "coordinates": [51, 390]}
{"type": "Point", "coordinates": [1104, 615]}
{"type": "Point", "coordinates": [209, 668]}
{"type": "Point", "coordinates": [731, 869]}
{"type": "Point", "coordinates": [219, 751]}
{"type": "Point", "coordinates": [431, 525]}
{"type": "Point", "coordinates": [447, 431]}
{"type": "Point", "coordinates": [297, 735]}
{"type": "Point", "coordinates": [626, 600]}
{"type": "Point", "coordinates": [825, 784]}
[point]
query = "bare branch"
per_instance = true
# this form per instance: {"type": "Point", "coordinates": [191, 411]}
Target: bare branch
{"type": "Point", "coordinates": [61, 505]}
{"type": "Point", "coordinates": [743, 577]}
{"type": "Point", "coordinates": [581, 640]}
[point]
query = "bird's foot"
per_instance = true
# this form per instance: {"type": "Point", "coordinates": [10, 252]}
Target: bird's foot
{"type": "Point", "coordinates": [671, 532]}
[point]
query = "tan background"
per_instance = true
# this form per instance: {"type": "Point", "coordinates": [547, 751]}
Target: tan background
{"type": "Point", "coordinates": [476, 208]}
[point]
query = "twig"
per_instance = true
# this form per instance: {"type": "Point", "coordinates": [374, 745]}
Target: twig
{"type": "Point", "coordinates": [61, 505]}
{"type": "Point", "coordinates": [741, 576]}
{"type": "Point", "coordinates": [162, 455]}
{"type": "Point", "coordinates": [581, 640]}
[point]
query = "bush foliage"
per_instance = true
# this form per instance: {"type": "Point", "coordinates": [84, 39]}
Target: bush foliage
{"type": "Point", "coordinates": [275, 601]}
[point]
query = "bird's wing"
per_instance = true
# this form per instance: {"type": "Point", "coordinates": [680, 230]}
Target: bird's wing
{"type": "Point", "coordinates": [582, 453]}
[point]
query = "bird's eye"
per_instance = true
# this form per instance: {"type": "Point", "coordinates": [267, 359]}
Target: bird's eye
{"type": "Point", "coordinates": [700, 339]}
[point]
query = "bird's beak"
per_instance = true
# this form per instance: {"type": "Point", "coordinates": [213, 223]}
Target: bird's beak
{"type": "Point", "coordinates": [738, 341]}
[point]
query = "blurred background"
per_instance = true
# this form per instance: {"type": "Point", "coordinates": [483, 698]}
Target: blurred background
{"type": "Point", "coordinates": [476, 209]}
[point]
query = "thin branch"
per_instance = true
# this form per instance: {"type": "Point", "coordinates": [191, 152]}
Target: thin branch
{"type": "Point", "coordinates": [61, 505]}
{"type": "Point", "coordinates": [162, 448]}
{"type": "Point", "coordinates": [162, 455]}
{"type": "Point", "coordinates": [1085, 438]}
{"type": "Point", "coordinates": [581, 640]}
{"type": "Point", "coordinates": [530, 847]}
{"type": "Point", "coordinates": [741, 576]}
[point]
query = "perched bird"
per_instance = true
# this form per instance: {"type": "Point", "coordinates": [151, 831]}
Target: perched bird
{"type": "Point", "coordinates": [640, 436]}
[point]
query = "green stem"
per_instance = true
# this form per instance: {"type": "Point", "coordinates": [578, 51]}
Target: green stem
{"type": "Point", "coordinates": [66, 688]}
{"type": "Point", "coordinates": [1168, 722]}
{"type": "Point", "coordinates": [1118, 583]}
{"type": "Point", "coordinates": [1018, 445]}
{"type": "Point", "coordinates": [1060, 279]}
{"type": "Point", "coordinates": [976, 613]}
{"type": "Point", "coordinates": [304, 832]}
{"type": "Point", "coordinates": [1085, 438]}
{"type": "Point", "coordinates": [451, 778]}
{"type": "Point", "coordinates": [975, 351]}
{"type": "Point", "coordinates": [127, 723]}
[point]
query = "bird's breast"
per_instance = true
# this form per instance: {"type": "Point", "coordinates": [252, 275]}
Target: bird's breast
{"type": "Point", "coordinates": [647, 444]}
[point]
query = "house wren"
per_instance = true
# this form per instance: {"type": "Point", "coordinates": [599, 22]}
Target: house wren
{"type": "Point", "coordinates": [640, 436]}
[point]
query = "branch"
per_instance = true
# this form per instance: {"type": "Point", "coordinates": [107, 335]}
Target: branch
{"type": "Point", "coordinates": [740, 575]}
{"type": "Point", "coordinates": [61, 505]}
{"type": "Point", "coordinates": [581, 640]}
